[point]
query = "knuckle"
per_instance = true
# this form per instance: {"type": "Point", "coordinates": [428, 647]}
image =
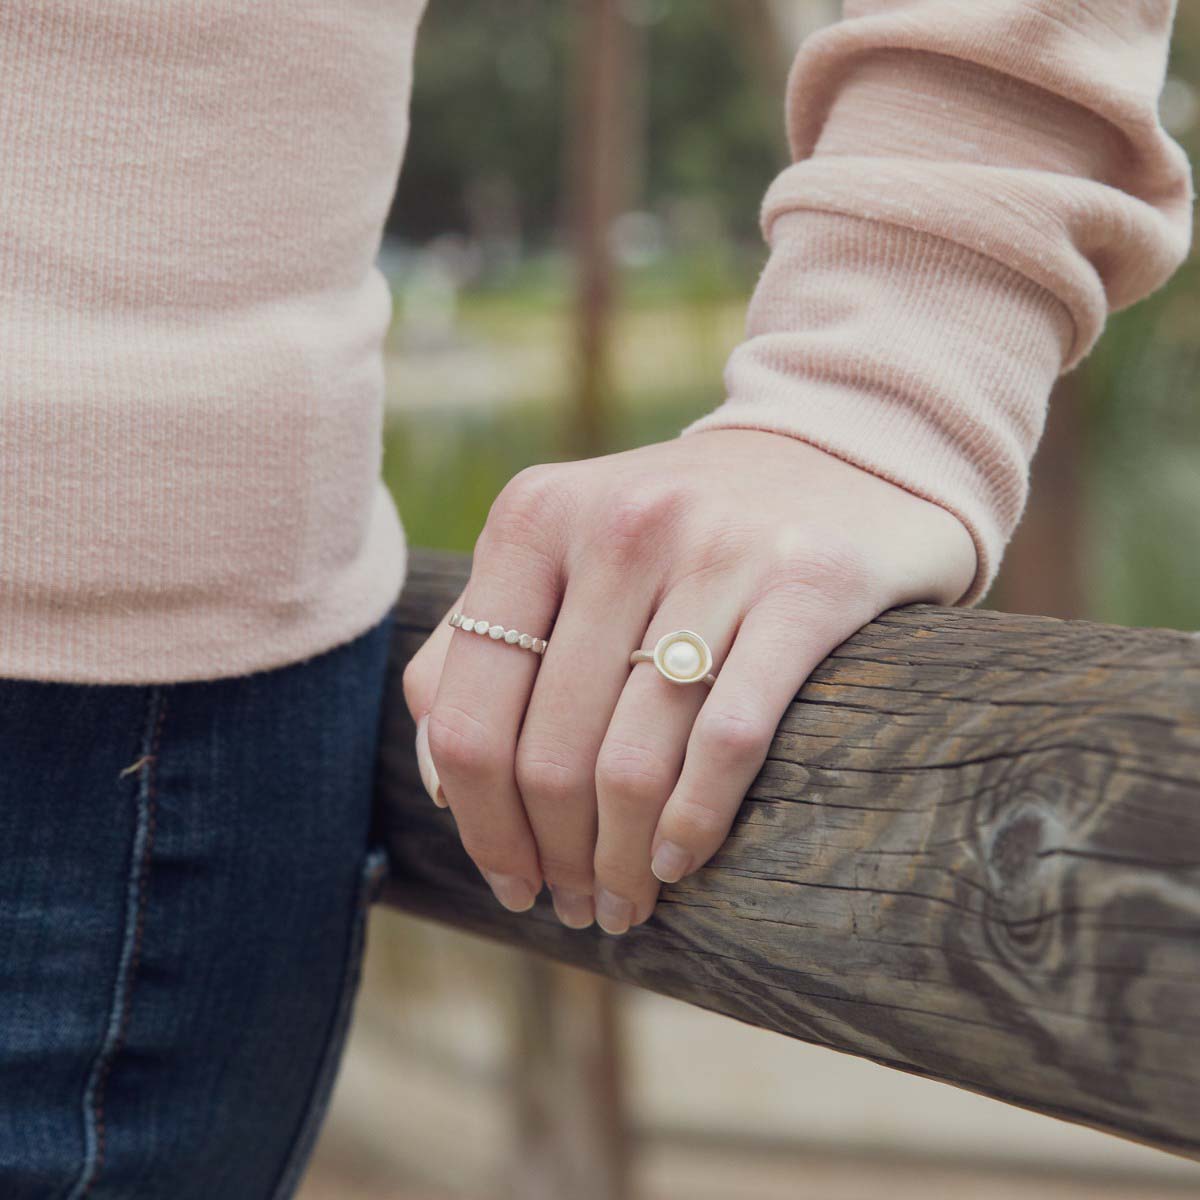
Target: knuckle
{"type": "Point", "coordinates": [460, 745]}
{"type": "Point", "coordinates": [634, 524]}
{"type": "Point", "coordinates": [628, 775]}
{"type": "Point", "coordinates": [717, 552]}
{"type": "Point", "coordinates": [817, 571]}
{"type": "Point", "coordinates": [493, 853]}
{"type": "Point", "coordinates": [530, 499]}
{"type": "Point", "coordinates": [575, 874]}
{"type": "Point", "coordinates": [542, 775]}
{"type": "Point", "coordinates": [620, 875]}
{"type": "Point", "coordinates": [699, 824]}
{"type": "Point", "coordinates": [734, 737]}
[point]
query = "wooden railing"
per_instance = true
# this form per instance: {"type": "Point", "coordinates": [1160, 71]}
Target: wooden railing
{"type": "Point", "coordinates": [973, 854]}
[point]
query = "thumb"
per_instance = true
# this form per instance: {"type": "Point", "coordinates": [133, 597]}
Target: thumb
{"type": "Point", "coordinates": [420, 682]}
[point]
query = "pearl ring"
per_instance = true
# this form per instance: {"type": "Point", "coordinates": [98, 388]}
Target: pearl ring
{"type": "Point", "coordinates": [681, 656]}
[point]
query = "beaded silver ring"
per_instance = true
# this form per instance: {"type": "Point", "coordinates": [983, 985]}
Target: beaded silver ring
{"type": "Point", "coordinates": [498, 633]}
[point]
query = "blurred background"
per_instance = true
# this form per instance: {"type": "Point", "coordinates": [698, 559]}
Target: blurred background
{"type": "Point", "coordinates": [571, 249]}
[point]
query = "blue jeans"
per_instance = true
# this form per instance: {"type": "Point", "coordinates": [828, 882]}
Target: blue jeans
{"type": "Point", "coordinates": [184, 876]}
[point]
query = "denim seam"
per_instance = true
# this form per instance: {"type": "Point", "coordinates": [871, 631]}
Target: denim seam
{"type": "Point", "coordinates": [370, 883]}
{"type": "Point", "coordinates": [131, 948]}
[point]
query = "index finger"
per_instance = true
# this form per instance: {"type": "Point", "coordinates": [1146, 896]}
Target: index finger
{"type": "Point", "coordinates": [486, 682]}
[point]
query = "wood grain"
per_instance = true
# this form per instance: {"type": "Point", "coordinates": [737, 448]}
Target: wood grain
{"type": "Point", "coordinates": [973, 854]}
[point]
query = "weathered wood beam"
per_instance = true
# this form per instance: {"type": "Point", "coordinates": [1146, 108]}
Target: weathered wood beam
{"type": "Point", "coordinates": [973, 854]}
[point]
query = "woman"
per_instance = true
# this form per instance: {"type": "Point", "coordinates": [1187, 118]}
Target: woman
{"type": "Point", "coordinates": [197, 558]}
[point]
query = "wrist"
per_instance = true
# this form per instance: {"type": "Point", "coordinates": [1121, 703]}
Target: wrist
{"type": "Point", "coordinates": [905, 355]}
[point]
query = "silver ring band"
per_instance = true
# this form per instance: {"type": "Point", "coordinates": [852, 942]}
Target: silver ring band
{"type": "Point", "coordinates": [498, 633]}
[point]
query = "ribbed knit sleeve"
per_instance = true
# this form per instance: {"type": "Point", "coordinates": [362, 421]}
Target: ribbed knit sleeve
{"type": "Point", "coordinates": [976, 185]}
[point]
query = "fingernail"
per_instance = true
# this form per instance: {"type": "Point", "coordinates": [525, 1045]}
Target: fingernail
{"type": "Point", "coordinates": [613, 914]}
{"type": "Point", "coordinates": [512, 891]}
{"type": "Point", "coordinates": [429, 775]}
{"type": "Point", "coordinates": [574, 909]}
{"type": "Point", "coordinates": [670, 862]}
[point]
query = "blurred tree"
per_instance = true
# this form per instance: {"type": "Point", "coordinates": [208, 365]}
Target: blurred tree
{"type": "Point", "coordinates": [488, 105]}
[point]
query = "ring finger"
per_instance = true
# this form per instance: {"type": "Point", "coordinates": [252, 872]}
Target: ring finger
{"type": "Point", "coordinates": [642, 755]}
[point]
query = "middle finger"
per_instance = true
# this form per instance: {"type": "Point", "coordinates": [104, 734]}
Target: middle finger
{"type": "Point", "coordinates": [577, 689]}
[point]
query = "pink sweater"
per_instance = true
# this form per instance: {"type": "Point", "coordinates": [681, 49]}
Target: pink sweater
{"type": "Point", "coordinates": [191, 324]}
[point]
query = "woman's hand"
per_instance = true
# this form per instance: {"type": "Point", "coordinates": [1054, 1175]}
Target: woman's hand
{"type": "Point", "coordinates": [601, 779]}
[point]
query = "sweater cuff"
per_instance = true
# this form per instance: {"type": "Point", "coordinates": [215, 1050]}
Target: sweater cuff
{"type": "Point", "coordinates": [908, 355]}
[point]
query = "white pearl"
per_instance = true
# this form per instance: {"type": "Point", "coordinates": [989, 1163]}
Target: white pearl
{"type": "Point", "coordinates": [496, 632]}
{"type": "Point", "coordinates": [511, 637]}
{"type": "Point", "coordinates": [682, 659]}
{"type": "Point", "coordinates": [467, 624]}
{"type": "Point", "coordinates": [481, 626]}
{"type": "Point", "coordinates": [525, 640]}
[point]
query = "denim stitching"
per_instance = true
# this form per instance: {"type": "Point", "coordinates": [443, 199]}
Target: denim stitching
{"type": "Point", "coordinates": [135, 911]}
{"type": "Point", "coordinates": [372, 876]}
